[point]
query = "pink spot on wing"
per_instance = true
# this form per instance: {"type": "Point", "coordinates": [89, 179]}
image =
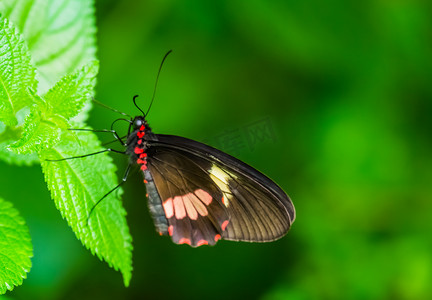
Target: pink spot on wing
{"type": "Point", "coordinates": [142, 155]}
{"type": "Point", "coordinates": [185, 241]}
{"type": "Point", "coordinates": [204, 196]}
{"type": "Point", "coordinates": [190, 209]}
{"type": "Point", "coordinates": [179, 208]}
{"type": "Point", "coordinates": [143, 167]}
{"type": "Point", "coordinates": [168, 208]}
{"type": "Point", "coordinates": [202, 242]}
{"type": "Point", "coordinates": [217, 237]}
{"type": "Point", "coordinates": [140, 161]}
{"type": "Point", "coordinates": [224, 224]}
{"type": "Point", "coordinates": [199, 206]}
{"type": "Point", "coordinates": [170, 230]}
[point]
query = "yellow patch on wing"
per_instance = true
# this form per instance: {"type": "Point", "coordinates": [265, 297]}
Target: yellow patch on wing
{"type": "Point", "coordinates": [221, 177]}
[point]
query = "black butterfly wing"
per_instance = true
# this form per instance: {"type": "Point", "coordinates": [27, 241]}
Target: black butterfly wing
{"type": "Point", "coordinates": [207, 194]}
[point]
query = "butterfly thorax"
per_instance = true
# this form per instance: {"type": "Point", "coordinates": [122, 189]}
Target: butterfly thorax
{"type": "Point", "coordinates": [136, 144]}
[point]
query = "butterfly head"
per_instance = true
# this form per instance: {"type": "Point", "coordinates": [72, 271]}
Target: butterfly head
{"type": "Point", "coordinates": [139, 124]}
{"type": "Point", "coordinates": [138, 121]}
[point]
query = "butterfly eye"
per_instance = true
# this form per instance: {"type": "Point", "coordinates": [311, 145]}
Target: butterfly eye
{"type": "Point", "coordinates": [138, 122]}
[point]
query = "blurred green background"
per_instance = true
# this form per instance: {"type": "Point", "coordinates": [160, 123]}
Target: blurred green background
{"type": "Point", "coordinates": [345, 88]}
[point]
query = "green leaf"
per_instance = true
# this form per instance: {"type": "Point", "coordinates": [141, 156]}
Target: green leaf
{"type": "Point", "coordinates": [11, 157]}
{"type": "Point", "coordinates": [60, 34]}
{"type": "Point", "coordinates": [61, 38]}
{"type": "Point", "coordinates": [76, 185]}
{"type": "Point", "coordinates": [69, 94]}
{"type": "Point", "coordinates": [15, 248]}
{"type": "Point", "coordinates": [8, 135]}
{"type": "Point", "coordinates": [39, 132]}
{"type": "Point", "coordinates": [43, 126]}
{"type": "Point", "coordinates": [16, 73]}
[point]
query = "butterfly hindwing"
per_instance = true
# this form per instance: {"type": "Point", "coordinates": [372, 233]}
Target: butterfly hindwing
{"type": "Point", "coordinates": [191, 201]}
{"type": "Point", "coordinates": [207, 195]}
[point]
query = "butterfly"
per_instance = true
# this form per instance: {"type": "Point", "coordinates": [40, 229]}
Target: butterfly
{"type": "Point", "coordinates": [198, 195]}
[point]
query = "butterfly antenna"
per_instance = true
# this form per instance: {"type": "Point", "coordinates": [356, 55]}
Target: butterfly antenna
{"type": "Point", "coordinates": [157, 79]}
{"type": "Point", "coordinates": [110, 108]}
{"type": "Point", "coordinates": [136, 105]}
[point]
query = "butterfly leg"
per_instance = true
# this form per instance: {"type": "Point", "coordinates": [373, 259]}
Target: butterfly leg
{"type": "Point", "coordinates": [90, 154]}
{"type": "Point", "coordinates": [125, 176]}
{"type": "Point", "coordinates": [116, 136]}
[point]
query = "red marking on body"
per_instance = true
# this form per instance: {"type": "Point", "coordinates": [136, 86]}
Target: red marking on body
{"type": "Point", "coordinates": [145, 181]}
{"type": "Point", "coordinates": [170, 230]}
{"type": "Point", "coordinates": [141, 162]}
{"type": "Point", "coordinates": [185, 241]}
{"type": "Point", "coordinates": [143, 167]}
{"type": "Point", "coordinates": [180, 211]}
{"type": "Point", "coordinates": [168, 208]}
{"type": "Point", "coordinates": [223, 201]}
{"type": "Point", "coordinates": [204, 196]}
{"type": "Point", "coordinates": [160, 233]}
{"type": "Point", "coordinates": [202, 242]}
{"type": "Point", "coordinates": [142, 128]}
{"type": "Point", "coordinates": [140, 134]}
{"type": "Point", "coordinates": [142, 155]}
{"type": "Point", "coordinates": [147, 195]}
{"type": "Point", "coordinates": [139, 141]}
{"type": "Point", "coordinates": [224, 224]}
{"type": "Point", "coordinates": [138, 150]}
{"type": "Point", "coordinates": [217, 237]}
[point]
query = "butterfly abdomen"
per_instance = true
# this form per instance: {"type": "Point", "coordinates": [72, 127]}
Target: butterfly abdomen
{"type": "Point", "coordinates": [155, 205]}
